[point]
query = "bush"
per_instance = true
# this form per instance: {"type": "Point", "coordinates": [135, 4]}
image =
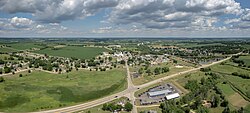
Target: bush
{"type": "Point", "coordinates": [2, 79]}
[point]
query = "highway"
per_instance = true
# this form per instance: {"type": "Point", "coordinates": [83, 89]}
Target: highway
{"type": "Point", "coordinates": [129, 92]}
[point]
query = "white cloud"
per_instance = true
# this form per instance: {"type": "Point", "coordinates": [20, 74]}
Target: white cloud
{"type": "Point", "coordinates": [161, 14]}
{"type": "Point", "coordinates": [55, 11]}
{"type": "Point", "coordinates": [21, 22]}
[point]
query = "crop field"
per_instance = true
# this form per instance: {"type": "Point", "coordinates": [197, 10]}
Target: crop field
{"type": "Point", "coordinates": [73, 51]}
{"type": "Point", "coordinates": [39, 90]}
{"type": "Point", "coordinates": [24, 46]}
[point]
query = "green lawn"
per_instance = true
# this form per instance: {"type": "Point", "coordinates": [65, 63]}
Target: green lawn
{"type": "Point", "coordinates": [24, 46]}
{"type": "Point", "coordinates": [73, 51]}
{"type": "Point", "coordinates": [40, 90]}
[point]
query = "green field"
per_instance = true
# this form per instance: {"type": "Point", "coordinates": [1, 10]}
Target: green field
{"type": "Point", "coordinates": [7, 50]}
{"type": "Point", "coordinates": [74, 51]}
{"type": "Point", "coordinates": [40, 90]}
{"type": "Point", "coordinates": [246, 59]}
{"type": "Point", "coordinates": [98, 109]}
{"type": "Point", "coordinates": [146, 78]}
{"type": "Point", "coordinates": [24, 46]}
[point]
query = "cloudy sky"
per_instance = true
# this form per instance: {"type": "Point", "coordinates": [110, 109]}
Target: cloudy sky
{"type": "Point", "coordinates": [113, 18]}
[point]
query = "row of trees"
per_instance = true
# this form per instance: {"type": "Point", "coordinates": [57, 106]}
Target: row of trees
{"type": "Point", "coordinates": [199, 92]}
{"type": "Point", "coordinates": [242, 75]}
{"type": "Point", "coordinates": [113, 107]}
{"type": "Point", "coordinates": [157, 70]}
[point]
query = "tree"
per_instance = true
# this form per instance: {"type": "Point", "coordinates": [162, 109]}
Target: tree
{"type": "Point", "coordinates": [7, 69]}
{"type": "Point", "coordinates": [226, 110]}
{"type": "Point", "coordinates": [165, 69]}
{"type": "Point", "coordinates": [110, 58]}
{"type": "Point", "coordinates": [1, 71]}
{"type": "Point", "coordinates": [122, 61]}
{"type": "Point", "coordinates": [157, 71]}
{"type": "Point", "coordinates": [215, 101]}
{"type": "Point", "coordinates": [224, 103]}
{"type": "Point", "coordinates": [20, 75]}
{"type": "Point", "coordinates": [105, 107]}
{"type": "Point", "coordinates": [202, 109]}
{"type": "Point", "coordinates": [1, 79]}
{"type": "Point", "coordinates": [140, 71]}
{"type": "Point", "coordinates": [202, 81]}
{"type": "Point", "coordinates": [1, 62]}
{"type": "Point", "coordinates": [29, 71]}
{"type": "Point", "coordinates": [128, 106]}
{"type": "Point", "coordinates": [148, 72]}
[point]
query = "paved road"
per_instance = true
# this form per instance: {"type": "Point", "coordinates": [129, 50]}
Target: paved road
{"type": "Point", "coordinates": [129, 92]}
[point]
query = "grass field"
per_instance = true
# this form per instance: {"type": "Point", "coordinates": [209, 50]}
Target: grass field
{"type": "Point", "coordinates": [7, 50]}
{"type": "Point", "coordinates": [236, 100]}
{"type": "Point", "coordinates": [98, 109]}
{"type": "Point", "coordinates": [246, 59]}
{"type": "Point", "coordinates": [146, 78]}
{"type": "Point", "coordinates": [24, 46]}
{"type": "Point", "coordinates": [40, 90]}
{"type": "Point", "coordinates": [73, 51]}
{"type": "Point", "coordinates": [143, 109]}
{"type": "Point", "coordinates": [240, 83]}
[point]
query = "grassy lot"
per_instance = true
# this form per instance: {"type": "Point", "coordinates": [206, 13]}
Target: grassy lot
{"type": "Point", "coordinates": [4, 56]}
{"type": "Point", "coordinates": [7, 50]}
{"type": "Point", "coordinates": [40, 90]}
{"type": "Point", "coordinates": [98, 109]}
{"type": "Point", "coordinates": [227, 70]}
{"type": "Point", "coordinates": [155, 108]}
{"type": "Point", "coordinates": [73, 51]}
{"type": "Point", "coordinates": [235, 100]}
{"type": "Point", "coordinates": [24, 46]}
{"type": "Point", "coordinates": [146, 78]}
{"type": "Point", "coordinates": [246, 59]}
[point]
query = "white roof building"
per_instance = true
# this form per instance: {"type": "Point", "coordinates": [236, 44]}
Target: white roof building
{"type": "Point", "coordinates": [172, 96]}
{"type": "Point", "coordinates": [158, 93]}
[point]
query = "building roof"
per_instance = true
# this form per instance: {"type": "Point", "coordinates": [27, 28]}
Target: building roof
{"type": "Point", "coordinates": [161, 92]}
{"type": "Point", "coordinates": [172, 96]}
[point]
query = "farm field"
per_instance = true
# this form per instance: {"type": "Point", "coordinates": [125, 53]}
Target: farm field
{"type": "Point", "coordinates": [73, 51]}
{"type": "Point", "coordinates": [39, 90]}
{"type": "Point", "coordinates": [24, 46]}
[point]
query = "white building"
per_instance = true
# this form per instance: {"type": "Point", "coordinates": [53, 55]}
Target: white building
{"type": "Point", "coordinates": [159, 93]}
{"type": "Point", "coordinates": [172, 96]}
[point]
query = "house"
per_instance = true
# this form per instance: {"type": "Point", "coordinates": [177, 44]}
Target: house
{"type": "Point", "coordinates": [172, 96]}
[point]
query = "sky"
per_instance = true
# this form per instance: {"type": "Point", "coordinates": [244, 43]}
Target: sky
{"type": "Point", "coordinates": [124, 18]}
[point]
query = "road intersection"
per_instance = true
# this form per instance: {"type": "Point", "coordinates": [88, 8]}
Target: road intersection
{"type": "Point", "coordinates": [129, 92]}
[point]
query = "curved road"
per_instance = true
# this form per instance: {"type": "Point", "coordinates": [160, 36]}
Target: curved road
{"type": "Point", "coordinates": [129, 92]}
